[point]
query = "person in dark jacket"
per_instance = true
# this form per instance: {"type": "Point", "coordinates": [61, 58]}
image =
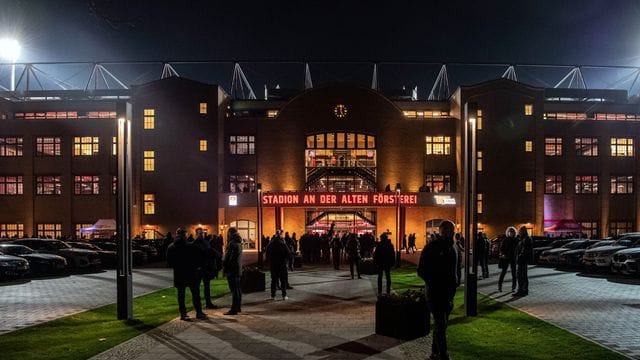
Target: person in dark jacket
{"type": "Point", "coordinates": [384, 258]}
{"type": "Point", "coordinates": [353, 254]}
{"type": "Point", "coordinates": [507, 257]}
{"type": "Point", "coordinates": [232, 265]}
{"type": "Point", "coordinates": [524, 252]}
{"type": "Point", "coordinates": [336, 249]}
{"type": "Point", "coordinates": [212, 261]}
{"type": "Point", "coordinates": [438, 268]}
{"type": "Point", "coordinates": [185, 259]}
{"type": "Point", "coordinates": [480, 250]}
{"type": "Point", "coordinates": [278, 254]}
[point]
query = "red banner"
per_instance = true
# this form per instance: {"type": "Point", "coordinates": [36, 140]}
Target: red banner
{"type": "Point", "coordinates": [314, 199]}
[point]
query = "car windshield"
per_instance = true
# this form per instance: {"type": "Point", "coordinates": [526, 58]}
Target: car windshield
{"type": "Point", "coordinates": [84, 246]}
{"type": "Point", "coordinates": [558, 243]}
{"type": "Point", "coordinates": [573, 245]}
{"type": "Point", "coordinates": [622, 242]}
{"type": "Point", "coordinates": [601, 244]}
{"type": "Point", "coordinates": [17, 250]}
{"type": "Point", "coordinates": [58, 245]}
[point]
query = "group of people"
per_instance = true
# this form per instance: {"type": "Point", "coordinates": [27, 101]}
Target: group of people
{"type": "Point", "coordinates": [516, 253]}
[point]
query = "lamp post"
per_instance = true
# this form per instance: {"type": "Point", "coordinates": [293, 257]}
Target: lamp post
{"type": "Point", "coordinates": [470, 213]}
{"type": "Point", "coordinates": [10, 50]}
{"type": "Point", "coordinates": [259, 218]}
{"type": "Point", "coordinates": [124, 276]}
{"type": "Point", "coordinates": [398, 258]}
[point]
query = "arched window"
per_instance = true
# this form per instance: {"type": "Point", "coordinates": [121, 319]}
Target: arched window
{"type": "Point", "coordinates": [247, 230]}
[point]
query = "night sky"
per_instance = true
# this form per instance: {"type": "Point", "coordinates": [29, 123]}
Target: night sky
{"type": "Point", "coordinates": [603, 32]}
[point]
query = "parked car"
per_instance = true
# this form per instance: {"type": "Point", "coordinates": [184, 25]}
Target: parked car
{"type": "Point", "coordinates": [537, 251]}
{"type": "Point", "coordinates": [76, 258]}
{"type": "Point", "coordinates": [626, 261]}
{"type": "Point", "coordinates": [139, 256]}
{"type": "Point", "coordinates": [147, 247]}
{"type": "Point", "coordinates": [107, 257]}
{"type": "Point", "coordinates": [601, 257]}
{"type": "Point", "coordinates": [574, 257]}
{"type": "Point", "coordinates": [12, 266]}
{"type": "Point", "coordinates": [552, 256]}
{"type": "Point", "coordinates": [39, 264]}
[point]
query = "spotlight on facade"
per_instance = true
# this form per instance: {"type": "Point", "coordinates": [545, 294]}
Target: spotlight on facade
{"type": "Point", "coordinates": [10, 49]}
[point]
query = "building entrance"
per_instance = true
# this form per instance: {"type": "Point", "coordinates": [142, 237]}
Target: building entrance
{"type": "Point", "coordinates": [359, 221]}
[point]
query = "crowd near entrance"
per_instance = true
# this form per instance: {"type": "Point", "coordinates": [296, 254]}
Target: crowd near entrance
{"type": "Point", "coordinates": [357, 221]}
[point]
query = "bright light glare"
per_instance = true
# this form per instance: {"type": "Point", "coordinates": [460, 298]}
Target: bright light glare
{"type": "Point", "coordinates": [9, 49]}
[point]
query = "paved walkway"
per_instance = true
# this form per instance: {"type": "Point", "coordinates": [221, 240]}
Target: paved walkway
{"type": "Point", "coordinates": [29, 302]}
{"type": "Point", "coordinates": [603, 309]}
{"type": "Point", "coordinates": [329, 316]}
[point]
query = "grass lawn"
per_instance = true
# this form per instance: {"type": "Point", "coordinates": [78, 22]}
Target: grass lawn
{"type": "Point", "coordinates": [501, 332]}
{"type": "Point", "coordinates": [91, 332]}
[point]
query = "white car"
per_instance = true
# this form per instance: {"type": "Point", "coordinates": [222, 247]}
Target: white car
{"type": "Point", "coordinates": [601, 257]}
{"type": "Point", "coordinates": [627, 261]}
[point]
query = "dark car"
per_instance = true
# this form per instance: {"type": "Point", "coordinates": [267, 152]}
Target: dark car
{"type": "Point", "coordinates": [12, 266]}
{"type": "Point", "coordinates": [76, 258]}
{"type": "Point", "coordinates": [574, 257]}
{"type": "Point", "coordinates": [147, 247]}
{"type": "Point", "coordinates": [552, 256]}
{"type": "Point", "coordinates": [139, 256]}
{"type": "Point", "coordinates": [39, 263]}
{"type": "Point", "coordinates": [107, 257]}
{"type": "Point", "coordinates": [537, 251]}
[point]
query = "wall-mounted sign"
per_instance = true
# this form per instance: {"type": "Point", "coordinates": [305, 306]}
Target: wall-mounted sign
{"type": "Point", "coordinates": [312, 199]}
{"type": "Point", "coordinates": [233, 200]}
{"type": "Point", "coordinates": [444, 200]}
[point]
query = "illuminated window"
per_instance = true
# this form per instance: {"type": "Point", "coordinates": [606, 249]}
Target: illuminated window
{"type": "Point", "coordinates": [589, 228]}
{"type": "Point", "coordinates": [620, 227]}
{"type": "Point", "coordinates": [11, 146]}
{"type": "Point", "coordinates": [149, 204]}
{"type": "Point", "coordinates": [149, 160]}
{"type": "Point", "coordinates": [479, 119]}
{"type": "Point", "coordinates": [86, 145]}
{"type": "Point", "coordinates": [53, 231]}
{"type": "Point", "coordinates": [242, 183]}
{"type": "Point", "coordinates": [272, 113]}
{"type": "Point", "coordinates": [528, 186]}
{"type": "Point", "coordinates": [48, 185]}
{"type": "Point", "coordinates": [48, 146]}
{"type": "Point", "coordinates": [203, 108]}
{"type": "Point", "coordinates": [11, 185]}
{"type": "Point", "coordinates": [480, 198]}
{"type": "Point", "coordinates": [438, 183]}
{"type": "Point", "coordinates": [586, 146]}
{"type": "Point", "coordinates": [80, 234]}
{"type": "Point", "coordinates": [149, 119]}
{"type": "Point", "coordinates": [528, 146]}
{"type": "Point", "coordinates": [622, 184]}
{"type": "Point", "coordinates": [203, 186]}
{"type": "Point", "coordinates": [203, 145]}
{"type": "Point", "coordinates": [553, 146]}
{"type": "Point", "coordinates": [622, 147]}
{"type": "Point", "coordinates": [438, 145]}
{"type": "Point", "coordinates": [114, 145]}
{"type": "Point", "coordinates": [528, 109]}
{"type": "Point", "coordinates": [242, 145]}
{"type": "Point", "coordinates": [86, 185]}
{"type": "Point", "coordinates": [246, 230]}
{"type": "Point", "coordinates": [114, 184]}
{"type": "Point", "coordinates": [587, 184]}
{"type": "Point", "coordinates": [553, 184]}
{"type": "Point", "coordinates": [479, 161]}
{"type": "Point", "coordinates": [12, 230]}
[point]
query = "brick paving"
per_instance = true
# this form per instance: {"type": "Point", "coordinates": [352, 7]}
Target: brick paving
{"type": "Point", "coordinates": [30, 302]}
{"type": "Point", "coordinates": [604, 309]}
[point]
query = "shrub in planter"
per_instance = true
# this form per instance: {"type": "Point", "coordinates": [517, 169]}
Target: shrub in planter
{"type": "Point", "coordinates": [253, 280]}
{"type": "Point", "coordinates": [367, 266]}
{"type": "Point", "coordinates": [403, 316]}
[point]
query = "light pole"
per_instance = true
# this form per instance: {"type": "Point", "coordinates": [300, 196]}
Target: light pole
{"type": "Point", "coordinates": [470, 212]}
{"type": "Point", "coordinates": [124, 276]}
{"type": "Point", "coordinates": [10, 50]}
{"type": "Point", "coordinates": [259, 206]}
{"type": "Point", "coordinates": [398, 258]}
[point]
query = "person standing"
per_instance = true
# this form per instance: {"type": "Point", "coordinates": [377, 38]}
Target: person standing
{"type": "Point", "coordinates": [524, 252]}
{"type": "Point", "coordinates": [480, 251]}
{"type": "Point", "coordinates": [336, 249]}
{"type": "Point", "coordinates": [353, 254]}
{"type": "Point", "coordinates": [185, 259]}
{"type": "Point", "coordinates": [278, 254]}
{"type": "Point", "coordinates": [232, 265]}
{"type": "Point", "coordinates": [438, 269]}
{"type": "Point", "coordinates": [384, 258]}
{"type": "Point", "coordinates": [212, 264]}
{"type": "Point", "coordinates": [508, 257]}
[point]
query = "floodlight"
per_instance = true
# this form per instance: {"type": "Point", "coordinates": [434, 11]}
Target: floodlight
{"type": "Point", "coordinates": [9, 49]}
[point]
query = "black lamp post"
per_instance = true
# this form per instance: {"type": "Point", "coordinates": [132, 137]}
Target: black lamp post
{"type": "Point", "coordinates": [398, 258]}
{"type": "Point", "coordinates": [124, 286]}
{"type": "Point", "coordinates": [259, 241]}
{"type": "Point", "coordinates": [470, 212]}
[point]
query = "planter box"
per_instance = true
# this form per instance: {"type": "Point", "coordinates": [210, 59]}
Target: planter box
{"type": "Point", "coordinates": [252, 282]}
{"type": "Point", "coordinates": [367, 267]}
{"type": "Point", "coordinates": [402, 320]}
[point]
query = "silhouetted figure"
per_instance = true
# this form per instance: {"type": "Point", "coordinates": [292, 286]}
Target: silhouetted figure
{"type": "Point", "coordinates": [278, 254]}
{"type": "Point", "coordinates": [232, 265]}
{"type": "Point", "coordinates": [507, 257]}
{"type": "Point", "coordinates": [524, 252]}
{"type": "Point", "coordinates": [353, 253]}
{"type": "Point", "coordinates": [384, 259]}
